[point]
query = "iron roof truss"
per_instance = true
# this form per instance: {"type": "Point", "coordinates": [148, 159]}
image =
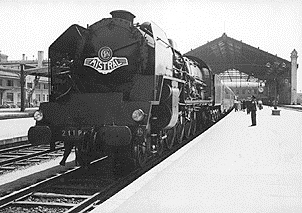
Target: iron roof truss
{"type": "Point", "coordinates": [225, 53]}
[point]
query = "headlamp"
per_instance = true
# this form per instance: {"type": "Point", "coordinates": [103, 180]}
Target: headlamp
{"type": "Point", "coordinates": [138, 115]}
{"type": "Point", "coordinates": [38, 115]}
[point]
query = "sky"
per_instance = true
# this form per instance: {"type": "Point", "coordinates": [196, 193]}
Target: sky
{"type": "Point", "coordinates": [275, 26]}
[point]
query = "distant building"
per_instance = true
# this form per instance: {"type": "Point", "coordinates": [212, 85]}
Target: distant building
{"type": "Point", "coordinates": [299, 98]}
{"type": "Point", "coordinates": [3, 57]}
{"type": "Point", "coordinates": [10, 87]}
{"type": "Point", "coordinates": [10, 90]}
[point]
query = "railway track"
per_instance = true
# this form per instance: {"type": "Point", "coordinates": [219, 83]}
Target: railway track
{"type": "Point", "coordinates": [25, 155]}
{"type": "Point", "coordinates": [79, 190]}
{"type": "Point", "coordinates": [76, 190]}
{"type": "Point", "coordinates": [295, 108]}
{"type": "Point", "coordinates": [70, 191]}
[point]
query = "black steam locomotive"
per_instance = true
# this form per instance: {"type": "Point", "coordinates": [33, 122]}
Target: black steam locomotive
{"type": "Point", "coordinates": [116, 85]}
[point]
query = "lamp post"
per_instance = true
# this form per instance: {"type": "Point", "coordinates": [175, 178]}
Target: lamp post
{"type": "Point", "coordinates": [276, 69]}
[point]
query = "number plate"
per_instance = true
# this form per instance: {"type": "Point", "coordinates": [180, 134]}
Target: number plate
{"type": "Point", "coordinates": [73, 132]}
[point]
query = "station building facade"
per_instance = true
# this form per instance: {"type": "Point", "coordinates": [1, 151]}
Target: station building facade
{"type": "Point", "coordinates": [10, 90]}
{"type": "Point", "coordinates": [10, 86]}
{"type": "Point", "coordinates": [3, 57]}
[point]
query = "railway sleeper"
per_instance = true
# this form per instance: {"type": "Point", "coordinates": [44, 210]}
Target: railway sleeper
{"type": "Point", "coordinates": [84, 180]}
{"type": "Point", "coordinates": [74, 187]}
{"type": "Point", "coordinates": [41, 157]}
{"type": "Point", "coordinates": [15, 148]}
{"type": "Point", "coordinates": [54, 154]}
{"type": "Point", "coordinates": [49, 204]}
{"type": "Point", "coordinates": [26, 151]}
{"type": "Point", "coordinates": [21, 163]}
{"type": "Point", "coordinates": [55, 195]}
{"type": "Point", "coordinates": [10, 155]}
{"type": "Point", "coordinates": [34, 160]}
{"type": "Point", "coordinates": [39, 150]}
{"type": "Point", "coordinates": [7, 157]}
{"type": "Point", "coordinates": [6, 168]}
{"type": "Point", "coordinates": [15, 154]}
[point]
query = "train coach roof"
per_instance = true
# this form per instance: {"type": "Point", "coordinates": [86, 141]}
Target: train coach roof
{"type": "Point", "coordinates": [226, 53]}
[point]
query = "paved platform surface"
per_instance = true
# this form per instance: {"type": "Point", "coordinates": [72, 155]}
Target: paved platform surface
{"type": "Point", "coordinates": [15, 124]}
{"type": "Point", "coordinates": [14, 130]}
{"type": "Point", "coordinates": [231, 168]}
{"type": "Point", "coordinates": [11, 113]}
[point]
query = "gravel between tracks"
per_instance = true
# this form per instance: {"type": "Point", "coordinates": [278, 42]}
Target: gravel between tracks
{"type": "Point", "coordinates": [37, 209]}
{"type": "Point", "coordinates": [56, 200]}
{"type": "Point", "coordinates": [21, 167]}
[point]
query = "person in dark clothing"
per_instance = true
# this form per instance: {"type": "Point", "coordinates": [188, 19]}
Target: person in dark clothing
{"type": "Point", "coordinates": [236, 105]}
{"type": "Point", "coordinates": [253, 109]}
{"type": "Point", "coordinates": [243, 105]}
{"type": "Point", "coordinates": [52, 145]}
{"type": "Point", "coordinates": [68, 145]}
{"type": "Point", "coordinates": [248, 106]}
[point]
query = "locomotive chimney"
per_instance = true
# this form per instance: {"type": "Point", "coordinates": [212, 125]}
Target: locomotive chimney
{"type": "Point", "coordinates": [123, 14]}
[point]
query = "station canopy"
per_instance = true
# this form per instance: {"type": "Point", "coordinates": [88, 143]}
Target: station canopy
{"type": "Point", "coordinates": [28, 69]}
{"type": "Point", "coordinates": [226, 54]}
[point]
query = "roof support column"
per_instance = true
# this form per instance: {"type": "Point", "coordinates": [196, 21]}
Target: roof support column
{"type": "Point", "coordinates": [22, 83]}
{"type": "Point", "coordinates": [294, 67]}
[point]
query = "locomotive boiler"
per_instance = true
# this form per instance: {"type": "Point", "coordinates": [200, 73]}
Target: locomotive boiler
{"type": "Point", "coordinates": [120, 85]}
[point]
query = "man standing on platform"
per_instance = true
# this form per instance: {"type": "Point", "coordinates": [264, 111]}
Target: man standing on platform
{"type": "Point", "coordinates": [253, 108]}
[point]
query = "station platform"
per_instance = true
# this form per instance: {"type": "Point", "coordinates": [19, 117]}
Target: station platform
{"type": "Point", "coordinates": [14, 130]}
{"type": "Point", "coordinates": [11, 113]}
{"type": "Point", "coordinates": [298, 107]}
{"type": "Point", "coordinates": [231, 168]}
{"type": "Point", "coordinates": [15, 124]}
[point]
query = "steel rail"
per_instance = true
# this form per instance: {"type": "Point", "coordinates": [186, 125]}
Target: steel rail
{"type": "Point", "coordinates": [95, 198]}
{"type": "Point", "coordinates": [15, 148]}
{"type": "Point", "coordinates": [99, 197]}
{"type": "Point", "coordinates": [16, 196]}
{"type": "Point", "coordinates": [27, 156]}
